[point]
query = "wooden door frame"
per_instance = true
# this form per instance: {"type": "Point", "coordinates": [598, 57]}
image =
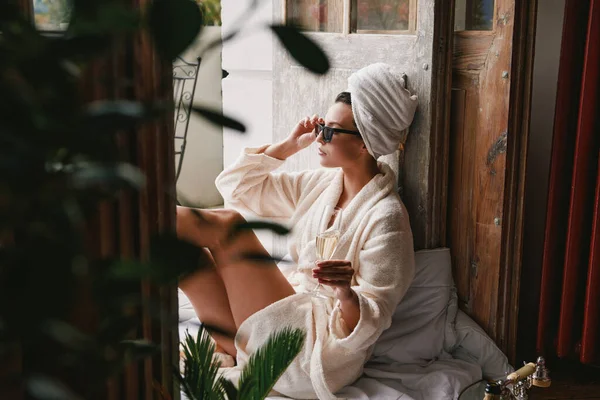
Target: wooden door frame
{"type": "Point", "coordinates": [514, 187]}
{"type": "Point", "coordinates": [441, 90]}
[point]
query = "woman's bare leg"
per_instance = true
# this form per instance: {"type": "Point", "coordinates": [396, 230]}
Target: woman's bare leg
{"type": "Point", "coordinates": [250, 286]}
{"type": "Point", "coordinates": [206, 292]}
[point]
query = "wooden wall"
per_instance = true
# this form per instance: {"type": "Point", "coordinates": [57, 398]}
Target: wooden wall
{"type": "Point", "coordinates": [478, 143]}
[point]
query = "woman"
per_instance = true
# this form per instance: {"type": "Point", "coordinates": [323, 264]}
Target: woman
{"type": "Point", "coordinates": [373, 264]}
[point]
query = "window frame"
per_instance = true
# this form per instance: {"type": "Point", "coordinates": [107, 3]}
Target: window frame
{"type": "Point", "coordinates": [350, 16]}
{"type": "Point", "coordinates": [468, 6]}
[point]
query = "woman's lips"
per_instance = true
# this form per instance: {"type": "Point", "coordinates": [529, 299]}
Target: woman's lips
{"type": "Point", "coordinates": [321, 153]}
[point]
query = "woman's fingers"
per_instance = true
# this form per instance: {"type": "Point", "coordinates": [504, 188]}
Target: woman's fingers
{"type": "Point", "coordinates": [347, 280]}
{"type": "Point", "coordinates": [341, 268]}
{"type": "Point", "coordinates": [339, 271]}
{"type": "Point", "coordinates": [334, 284]}
{"type": "Point", "coordinates": [333, 272]}
{"type": "Point", "coordinates": [308, 124]}
{"type": "Point", "coordinates": [333, 263]}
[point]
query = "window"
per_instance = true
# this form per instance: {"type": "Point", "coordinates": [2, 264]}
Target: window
{"type": "Point", "coordinates": [474, 15]}
{"type": "Point", "coordinates": [52, 15]}
{"type": "Point", "coordinates": [316, 15]}
{"type": "Point", "coordinates": [383, 16]}
{"type": "Point", "coordinates": [364, 16]}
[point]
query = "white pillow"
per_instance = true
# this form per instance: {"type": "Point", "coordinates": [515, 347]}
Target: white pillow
{"type": "Point", "coordinates": [419, 324]}
{"type": "Point", "coordinates": [474, 345]}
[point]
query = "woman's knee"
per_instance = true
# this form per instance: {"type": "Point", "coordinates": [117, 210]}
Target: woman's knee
{"type": "Point", "coordinates": [232, 217]}
{"type": "Point", "coordinates": [227, 219]}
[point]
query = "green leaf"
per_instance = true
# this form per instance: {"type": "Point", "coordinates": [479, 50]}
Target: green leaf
{"type": "Point", "coordinates": [217, 118]}
{"type": "Point", "coordinates": [174, 25]}
{"type": "Point", "coordinates": [87, 176]}
{"type": "Point", "coordinates": [221, 41]}
{"type": "Point", "coordinates": [271, 360]}
{"type": "Point", "coordinates": [67, 335]}
{"type": "Point", "coordinates": [247, 387]}
{"type": "Point", "coordinates": [118, 115]}
{"type": "Point", "coordinates": [92, 18]}
{"type": "Point", "coordinates": [79, 47]}
{"type": "Point", "coordinates": [261, 258]}
{"type": "Point", "coordinates": [259, 225]}
{"type": "Point", "coordinates": [212, 329]}
{"type": "Point", "coordinates": [302, 48]}
{"type": "Point", "coordinates": [228, 388]}
{"type": "Point", "coordinates": [46, 388]}
{"type": "Point", "coordinates": [140, 348]}
{"type": "Point", "coordinates": [176, 257]}
{"type": "Point", "coordinates": [200, 375]}
{"type": "Point", "coordinates": [116, 327]}
{"type": "Point", "coordinates": [172, 259]}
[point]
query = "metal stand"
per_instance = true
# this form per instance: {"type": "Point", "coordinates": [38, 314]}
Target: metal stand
{"type": "Point", "coordinates": [185, 76]}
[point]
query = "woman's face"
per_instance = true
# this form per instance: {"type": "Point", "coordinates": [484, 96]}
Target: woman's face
{"type": "Point", "coordinates": [344, 149]}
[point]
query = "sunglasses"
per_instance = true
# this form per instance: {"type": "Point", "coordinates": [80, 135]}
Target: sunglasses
{"type": "Point", "coordinates": [328, 132]}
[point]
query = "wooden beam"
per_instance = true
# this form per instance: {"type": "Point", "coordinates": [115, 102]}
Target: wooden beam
{"type": "Point", "coordinates": [441, 89]}
{"type": "Point", "coordinates": [514, 188]}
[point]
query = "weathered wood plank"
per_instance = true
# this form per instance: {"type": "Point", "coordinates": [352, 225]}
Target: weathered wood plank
{"type": "Point", "coordinates": [459, 202]}
{"type": "Point", "coordinates": [482, 68]}
{"type": "Point", "coordinates": [471, 51]}
{"type": "Point", "coordinates": [516, 166]}
{"type": "Point", "coordinates": [441, 89]}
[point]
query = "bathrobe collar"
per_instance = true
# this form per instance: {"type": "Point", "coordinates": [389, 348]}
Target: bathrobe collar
{"type": "Point", "coordinates": [375, 190]}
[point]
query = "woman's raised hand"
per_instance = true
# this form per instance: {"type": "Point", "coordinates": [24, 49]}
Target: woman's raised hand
{"type": "Point", "coordinates": [303, 134]}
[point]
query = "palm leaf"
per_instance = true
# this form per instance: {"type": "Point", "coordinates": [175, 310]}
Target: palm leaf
{"type": "Point", "coordinates": [228, 388]}
{"type": "Point", "coordinates": [269, 362]}
{"type": "Point", "coordinates": [199, 380]}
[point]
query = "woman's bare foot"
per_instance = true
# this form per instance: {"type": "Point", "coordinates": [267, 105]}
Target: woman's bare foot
{"type": "Point", "coordinates": [220, 356]}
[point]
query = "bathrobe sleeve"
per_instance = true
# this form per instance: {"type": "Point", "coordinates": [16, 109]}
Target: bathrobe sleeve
{"type": "Point", "coordinates": [386, 269]}
{"type": "Point", "coordinates": [250, 185]}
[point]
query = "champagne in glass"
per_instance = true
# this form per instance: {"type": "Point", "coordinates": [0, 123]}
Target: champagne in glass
{"type": "Point", "coordinates": [328, 238]}
{"type": "Point", "coordinates": [326, 244]}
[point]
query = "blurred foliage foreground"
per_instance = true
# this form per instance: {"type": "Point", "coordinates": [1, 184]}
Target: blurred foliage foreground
{"type": "Point", "coordinates": [58, 161]}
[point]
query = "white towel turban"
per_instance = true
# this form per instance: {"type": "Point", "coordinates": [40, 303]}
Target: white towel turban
{"type": "Point", "coordinates": [383, 108]}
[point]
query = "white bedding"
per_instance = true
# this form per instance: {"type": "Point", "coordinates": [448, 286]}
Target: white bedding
{"type": "Point", "coordinates": [442, 379]}
{"type": "Point", "coordinates": [432, 351]}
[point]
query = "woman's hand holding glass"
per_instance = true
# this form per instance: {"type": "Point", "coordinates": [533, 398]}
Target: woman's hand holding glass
{"type": "Point", "coordinates": [337, 274]}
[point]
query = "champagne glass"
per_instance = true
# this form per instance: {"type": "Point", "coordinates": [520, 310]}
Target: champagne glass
{"type": "Point", "coordinates": [327, 238]}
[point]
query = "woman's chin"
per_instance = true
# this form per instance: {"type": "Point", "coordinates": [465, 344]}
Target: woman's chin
{"type": "Point", "coordinates": [326, 163]}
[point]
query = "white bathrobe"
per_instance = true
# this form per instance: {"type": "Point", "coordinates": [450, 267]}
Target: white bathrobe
{"type": "Point", "coordinates": [376, 239]}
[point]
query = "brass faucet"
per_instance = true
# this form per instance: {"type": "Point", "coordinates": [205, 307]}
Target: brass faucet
{"type": "Point", "coordinates": [517, 384]}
